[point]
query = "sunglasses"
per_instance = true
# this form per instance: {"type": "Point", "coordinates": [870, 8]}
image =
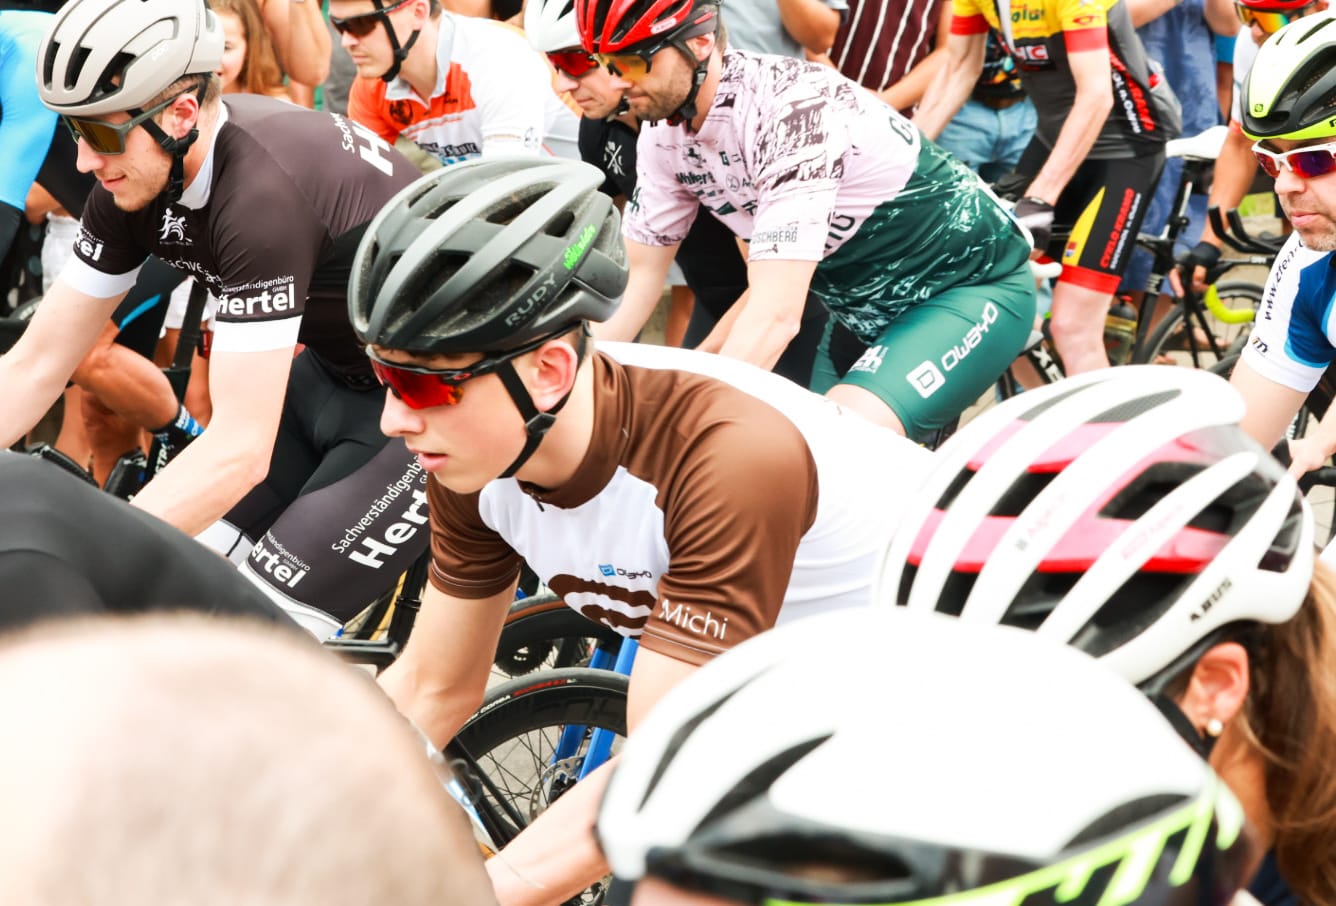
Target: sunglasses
{"type": "Point", "coordinates": [425, 388]}
{"type": "Point", "coordinates": [1267, 20]}
{"type": "Point", "coordinates": [108, 139]}
{"type": "Point", "coordinates": [363, 24]}
{"type": "Point", "coordinates": [1305, 163]}
{"type": "Point", "coordinates": [630, 67]}
{"type": "Point", "coordinates": [572, 63]}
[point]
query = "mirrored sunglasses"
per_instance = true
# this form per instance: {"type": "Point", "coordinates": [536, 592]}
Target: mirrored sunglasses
{"type": "Point", "coordinates": [1305, 163]}
{"type": "Point", "coordinates": [631, 67]}
{"type": "Point", "coordinates": [573, 63]}
{"type": "Point", "coordinates": [108, 139]}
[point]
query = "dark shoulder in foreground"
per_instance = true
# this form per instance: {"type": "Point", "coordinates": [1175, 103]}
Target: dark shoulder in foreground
{"type": "Point", "coordinates": [67, 548]}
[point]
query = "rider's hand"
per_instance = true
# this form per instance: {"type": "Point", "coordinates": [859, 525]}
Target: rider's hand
{"type": "Point", "coordinates": [1195, 262]}
{"type": "Point", "coordinates": [1036, 215]}
{"type": "Point", "coordinates": [1306, 455]}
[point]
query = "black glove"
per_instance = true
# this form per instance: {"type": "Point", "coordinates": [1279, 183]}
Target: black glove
{"type": "Point", "coordinates": [1036, 215]}
{"type": "Point", "coordinates": [1203, 254]}
{"type": "Point", "coordinates": [1012, 186]}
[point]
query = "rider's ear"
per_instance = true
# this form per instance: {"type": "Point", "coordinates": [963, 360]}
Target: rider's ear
{"type": "Point", "coordinates": [552, 371]}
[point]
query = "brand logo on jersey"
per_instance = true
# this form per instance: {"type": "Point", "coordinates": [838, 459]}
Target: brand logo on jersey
{"type": "Point", "coordinates": [285, 568]}
{"type": "Point", "coordinates": [173, 229]}
{"type": "Point", "coordinates": [612, 159]}
{"type": "Point", "coordinates": [275, 299]}
{"type": "Point", "coordinates": [870, 361]}
{"type": "Point", "coordinates": [926, 379]}
{"type": "Point", "coordinates": [683, 617]}
{"type": "Point", "coordinates": [1032, 53]}
{"type": "Point", "coordinates": [609, 570]}
{"type": "Point", "coordinates": [1259, 344]}
{"type": "Point", "coordinates": [87, 246]}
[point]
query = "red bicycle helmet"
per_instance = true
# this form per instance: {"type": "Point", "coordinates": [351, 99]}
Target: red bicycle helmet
{"type": "Point", "coordinates": [1275, 6]}
{"type": "Point", "coordinates": [612, 26]}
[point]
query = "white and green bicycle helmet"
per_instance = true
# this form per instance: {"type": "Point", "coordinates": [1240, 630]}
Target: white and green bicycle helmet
{"type": "Point", "coordinates": [931, 762]}
{"type": "Point", "coordinates": [1290, 91]}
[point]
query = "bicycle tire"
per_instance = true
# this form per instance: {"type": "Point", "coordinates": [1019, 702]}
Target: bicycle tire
{"type": "Point", "coordinates": [1162, 339]}
{"type": "Point", "coordinates": [543, 632]}
{"type": "Point", "coordinates": [511, 739]}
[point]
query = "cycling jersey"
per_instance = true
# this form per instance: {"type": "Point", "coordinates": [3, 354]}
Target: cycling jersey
{"type": "Point", "coordinates": [1294, 335]}
{"type": "Point", "coordinates": [715, 499]}
{"type": "Point", "coordinates": [493, 95]}
{"type": "Point", "coordinates": [808, 166]}
{"type": "Point", "coordinates": [270, 223]}
{"type": "Point", "coordinates": [1041, 33]}
{"type": "Point", "coordinates": [68, 549]}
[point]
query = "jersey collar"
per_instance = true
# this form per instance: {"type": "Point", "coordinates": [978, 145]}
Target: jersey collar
{"type": "Point", "coordinates": [197, 193]}
{"type": "Point", "coordinates": [400, 90]}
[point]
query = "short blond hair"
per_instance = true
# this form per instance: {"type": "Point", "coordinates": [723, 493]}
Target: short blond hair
{"type": "Point", "coordinates": [174, 759]}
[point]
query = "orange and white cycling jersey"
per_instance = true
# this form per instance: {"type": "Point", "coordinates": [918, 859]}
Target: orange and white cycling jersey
{"type": "Point", "coordinates": [493, 96]}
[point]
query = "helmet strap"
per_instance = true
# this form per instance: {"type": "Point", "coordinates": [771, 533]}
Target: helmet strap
{"type": "Point", "coordinates": [400, 52]}
{"type": "Point", "coordinates": [176, 147]}
{"type": "Point", "coordinates": [1202, 743]}
{"type": "Point", "coordinates": [687, 112]}
{"type": "Point", "coordinates": [536, 424]}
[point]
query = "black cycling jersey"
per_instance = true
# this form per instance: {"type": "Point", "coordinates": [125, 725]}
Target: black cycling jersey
{"type": "Point", "coordinates": [270, 223]}
{"type": "Point", "coordinates": [67, 548]}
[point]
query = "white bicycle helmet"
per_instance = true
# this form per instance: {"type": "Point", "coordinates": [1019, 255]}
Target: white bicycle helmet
{"type": "Point", "coordinates": [105, 56]}
{"type": "Point", "coordinates": [931, 761]}
{"type": "Point", "coordinates": [550, 25]}
{"type": "Point", "coordinates": [1123, 512]}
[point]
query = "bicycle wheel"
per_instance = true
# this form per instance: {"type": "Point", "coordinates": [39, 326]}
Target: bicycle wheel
{"type": "Point", "coordinates": [1173, 342]}
{"type": "Point", "coordinates": [543, 632]}
{"type": "Point", "coordinates": [511, 756]}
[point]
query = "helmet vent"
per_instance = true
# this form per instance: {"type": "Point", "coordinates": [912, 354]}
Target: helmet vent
{"type": "Point", "coordinates": [758, 782]}
{"type": "Point", "coordinates": [955, 592]}
{"type": "Point", "coordinates": [957, 485]}
{"type": "Point", "coordinates": [1022, 491]}
{"type": "Point", "coordinates": [1130, 409]}
{"type": "Point", "coordinates": [1148, 488]}
{"type": "Point", "coordinates": [1142, 600]}
{"type": "Point", "coordinates": [1124, 816]}
{"type": "Point", "coordinates": [1031, 414]}
{"type": "Point", "coordinates": [1285, 545]}
{"type": "Point", "coordinates": [561, 224]}
{"type": "Point", "coordinates": [1037, 597]}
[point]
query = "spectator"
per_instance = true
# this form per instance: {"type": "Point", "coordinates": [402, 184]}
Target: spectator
{"type": "Point", "coordinates": [179, 760]}
{"type": "Point", "coordinates": [790, 28]}
{"type": "Point", "coordinates": [249, 64]}
{"type": "Point", "coordinates": [893, 49]}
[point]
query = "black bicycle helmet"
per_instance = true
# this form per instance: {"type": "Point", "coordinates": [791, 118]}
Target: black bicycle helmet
{"type": "Point", "coordinates": [486, 256]}
{"type": "Point", "coordinates": [1290, 91]}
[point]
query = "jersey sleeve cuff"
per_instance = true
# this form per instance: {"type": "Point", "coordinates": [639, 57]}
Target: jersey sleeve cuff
{"type": "Point", "coordinates": [969, 25]}
{"type": "Point", "coordinates": [92, 282]}
{"type": "Point", "coordinates": [255, 336]}
{"type": "Point", "coordinates": [469, 588]}
{"type": "Point", "coordinates": [1291, 375]}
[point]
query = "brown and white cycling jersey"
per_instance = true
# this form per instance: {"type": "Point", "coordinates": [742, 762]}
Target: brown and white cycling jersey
{"type": "Point", "coordinates": [715, 500]}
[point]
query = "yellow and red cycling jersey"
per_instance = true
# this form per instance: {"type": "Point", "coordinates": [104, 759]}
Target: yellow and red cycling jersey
{"type": "Point", "coordinates": [1042, 33]}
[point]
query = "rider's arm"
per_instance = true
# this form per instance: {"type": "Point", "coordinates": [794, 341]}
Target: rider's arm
{"type": "Point", "coordinates": [35, 371]}
{"type": "Point", "coordinates": [811, 23]}
{"type": "Point", "coordinates": [1271, 405]}
{"type": "Point", "coordinates": [649, 266]}
{"type": "Point", "coordinates": [554, 858]}
{"type": "Point", "coordinates": [949, 91]}
{"type": "Point", "coordinates": [912, 87]}
{"type": "Point", "coordinates": [211, 475]}
{"type": "Point", "coordinates": [1235, 170]}
{"type": "Point", "coordinates": [301, 39]}
{"type": "Point", "coordinates": [440, 678]}
{"type": "Point", "coordinates": [1090, 109]}
{"type": "Point", "coordinates": [771, 312]}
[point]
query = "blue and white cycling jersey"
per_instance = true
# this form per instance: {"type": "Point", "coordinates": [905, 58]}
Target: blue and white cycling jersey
{"type": "Point", "coordinates": [1294, 337]}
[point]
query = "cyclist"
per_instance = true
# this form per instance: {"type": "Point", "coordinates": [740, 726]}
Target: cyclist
{"type": "Point", "coordinates": [457, 86]}
{"type": "Point", "coordinates": [1235, 170]}
{"type": "Point", "coordinates": [66, 549]}
{"type": "Point", "coordinates": [264, 203]}
{"type": "Point", "coordinates": [677, 497]}
{"type": "Point", "coordinates": [916, 261]}
{"type": "Point", "coordinates": [1292, 338]}
{"type": "Point", "coordinates": [767, 778]}
{"type": "Point", "coordinates": [709, 256]}
{"type": "Point", "coordinates": [1125, 513]}
{"type": "Point", "coordinates": [1098, 149]}
{"type": "Point", "coordinates": [169, 759]}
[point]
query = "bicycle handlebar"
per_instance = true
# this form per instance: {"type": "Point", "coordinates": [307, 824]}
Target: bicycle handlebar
{"type": "Point", "coordinates": [1236, 235]}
